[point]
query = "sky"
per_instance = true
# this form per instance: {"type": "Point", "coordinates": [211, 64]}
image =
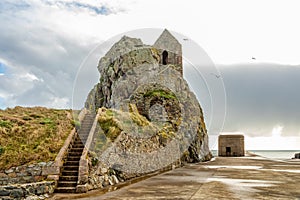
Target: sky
{"type": "Point", "coordinates": [253, 44]}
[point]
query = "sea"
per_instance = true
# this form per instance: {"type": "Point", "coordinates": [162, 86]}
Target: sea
{"type": "Point", "coordinates": [271, 154]}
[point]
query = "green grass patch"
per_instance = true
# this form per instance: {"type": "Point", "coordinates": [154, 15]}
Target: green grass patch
{"type": "Point", "coordinates": [5, 124]}
{"type": "Point", "coordinates": [46, 121]}
{"type": "Point", "coordinates": [2, 150]}
{"type": "Point", "coordinates": [160, 93]}
{"type": "Point", "coordinates": [109, 126]}
{"type": "Point", "coordinates": [76, 124]}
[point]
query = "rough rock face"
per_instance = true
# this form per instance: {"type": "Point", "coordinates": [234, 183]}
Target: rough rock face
{"type": "Point", "coordinates": [150, 119]}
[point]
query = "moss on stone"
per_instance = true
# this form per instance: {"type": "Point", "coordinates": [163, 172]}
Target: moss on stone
{"type": "Point", "coordinates": [136, 117]}
{"type": "Point", "coordinates": [109, 125]}
{"type": "Point", "coordinates": [160, 93]}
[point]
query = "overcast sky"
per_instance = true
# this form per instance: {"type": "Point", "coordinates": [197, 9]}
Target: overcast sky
{"type": "Point", "coordinates": [254, 45]}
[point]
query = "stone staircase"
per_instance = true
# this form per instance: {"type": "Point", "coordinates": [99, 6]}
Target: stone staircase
{"type": "Point", "coordinates": [69, 174]}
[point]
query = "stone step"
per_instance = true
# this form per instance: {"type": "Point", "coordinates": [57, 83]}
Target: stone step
{"type": "Point", "coordinates": [67, 183]}
{"type": "Point", "coordinates": [87, 122]}
{"type": "Point", "coordinates": [82, 139]}
{"type": "Point", "coordinates": [74, 153]}
{"type": "Point", "coordinates": [78, 142]}
{"type": "Point", "coordinates": [73, 158]}
{"type": "Point", "coordinates": [83, 135]}
{"type": "Point", "coordinates": [76, 149]}
{"type": "Point", "coordinates": [78, 146]}
{"type": "Point", "coordinates": [71, 168]}
{"type": "Point", "coordinates": [65, 190]}
{"type": "Point", "coordinates": [89, 118]}
{"type": "Point", "coordinates": [84, 131]}
{"type": "Point", "coordinates": [69, 173]}
{"type": "Point", "coordinates": [71, 163]}
{"type": "Point", "coordinates": [86, 126]}
{"type": "Point", "coordinates": [68, 178]}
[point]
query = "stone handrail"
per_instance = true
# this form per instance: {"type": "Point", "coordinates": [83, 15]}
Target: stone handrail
{"type": "Point", "coordinates": [83, 163]}
{"type": "Point", "coordinates": [82, 114]}
{"type": "Point", "coordinates": [53, 172]}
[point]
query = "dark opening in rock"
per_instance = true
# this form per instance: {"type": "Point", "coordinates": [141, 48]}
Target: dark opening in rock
{"type": "Point", "coordinates": [165, 57]}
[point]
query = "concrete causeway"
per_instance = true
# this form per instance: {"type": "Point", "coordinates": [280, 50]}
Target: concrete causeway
{"type": "Point", "coordinates": [250, 177]}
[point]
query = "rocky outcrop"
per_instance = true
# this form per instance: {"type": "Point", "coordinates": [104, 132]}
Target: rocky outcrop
{"type": "Point", "coordinates": [149, 118]}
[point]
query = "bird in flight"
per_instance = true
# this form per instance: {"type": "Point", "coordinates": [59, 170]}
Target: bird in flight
{"type": "Point", "coordinates": [253, 58]}
{"type": "Point", "coordinates": [185, 39]}
{"type": "Point", "coordinates": [217, 76]}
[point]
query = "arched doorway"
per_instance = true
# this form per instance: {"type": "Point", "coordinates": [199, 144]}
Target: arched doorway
{"type": "Point", "coordinates": [165, 57]}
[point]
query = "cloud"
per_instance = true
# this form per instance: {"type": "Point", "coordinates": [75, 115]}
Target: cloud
{"type": "Point", "coordinates": [261, 96]}
{"type": "Point", "coordinates": [81, 7]}
{"type": "Point", "coordinates": [277, 131]}
{"type": "Point", "coordinates": [40, 55]}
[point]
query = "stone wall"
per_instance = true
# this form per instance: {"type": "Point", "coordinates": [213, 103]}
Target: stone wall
{"type": "Point", "coordinates": [101, 176]}
{"type": "Point", "coordinates": [25, 173]}
{"type": "Point", "coordinates": [28, 191]}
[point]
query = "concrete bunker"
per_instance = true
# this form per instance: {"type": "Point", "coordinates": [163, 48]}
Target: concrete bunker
{"type": "Point", "coordinates": [231, 145]}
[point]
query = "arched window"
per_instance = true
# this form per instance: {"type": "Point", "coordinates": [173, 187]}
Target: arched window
{"type": "Point", "coordinates": [165, 57]}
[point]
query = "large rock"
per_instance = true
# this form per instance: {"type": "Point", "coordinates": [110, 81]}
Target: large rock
{"type": "Point", "coordinates": [150, 118]}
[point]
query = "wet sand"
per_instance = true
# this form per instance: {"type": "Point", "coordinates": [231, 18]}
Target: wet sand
{"type": "Point", "coordinates": [249, 177]}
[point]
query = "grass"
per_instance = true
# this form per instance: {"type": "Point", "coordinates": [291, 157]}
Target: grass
{"type": "Point", "coordinates": [109, 124]}
{"type": "Point", "coordinates": [160, 93]}
{"type": "Point", "coordinates": [30, 135]}
{"type": "Point", "coordinates": [113, 122]}
{"type": "Point", "coordinates": [140, 120]}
